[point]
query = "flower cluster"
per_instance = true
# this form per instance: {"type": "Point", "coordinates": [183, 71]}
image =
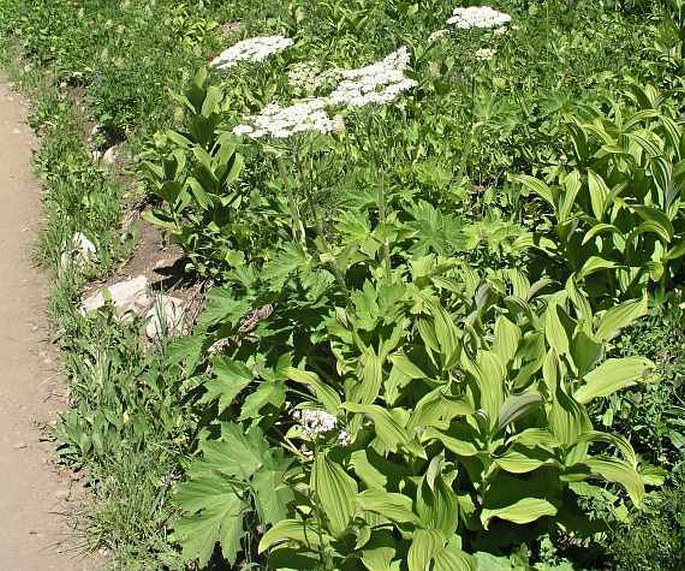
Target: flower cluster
{"type": "Point", "coordinates": [281, 122]}
{"type": "Point", "coordinates": [315, 422]}
{"type": "Point", "coordinates": [380, 82]}
{"type": "Point", "coordinates": [478, 17]}
{"type": "Point", "coordinates": [485, 54]}
{"type": "Point", "coordinates": [252, 49]}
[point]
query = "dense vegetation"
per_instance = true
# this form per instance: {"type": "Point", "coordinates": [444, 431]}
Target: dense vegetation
{"type": "Point", "coordinates": [445, 333]}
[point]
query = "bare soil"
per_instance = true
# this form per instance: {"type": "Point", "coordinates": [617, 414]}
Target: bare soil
{"type": "Point", "coordinates": [34, 496]}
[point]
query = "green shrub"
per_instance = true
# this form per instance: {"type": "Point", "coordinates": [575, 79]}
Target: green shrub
{"type": "Point", "coordinates": [452, 406]}
{"type": "Point", "coordinates": [453, 400]}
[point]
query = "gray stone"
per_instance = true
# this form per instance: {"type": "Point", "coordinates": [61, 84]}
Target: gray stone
{"type": "Point", "coordinates": [81, 252]}
{"type": "Point", "coordinates": [109, 157]}
{"type": "Point", "coordinates": [129, 296]}
{"type": "Point", "coordinates": [165, 316]}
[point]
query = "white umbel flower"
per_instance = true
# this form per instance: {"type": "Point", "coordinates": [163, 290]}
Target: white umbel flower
{"type": "Point", "coordinates": [380, 82]}
{"type": "Point", "coordinates": [485, 54]}
{"type": "Point", "coordinates": [282, 122]}
{"type": "Point", "coordinates": [252, 49]}
{"type": "Point", "coordinates": [478, 17]}
{"type": "Point", "coordinates": [396, 61]}
{"type": "Point", "coordinates": [243, 130]}
{"type": "Point", "coordinates": [315, 422]}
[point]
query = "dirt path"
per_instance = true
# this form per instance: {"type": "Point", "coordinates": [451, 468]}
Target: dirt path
{"type": "Point", "coordinates": [33, 534]}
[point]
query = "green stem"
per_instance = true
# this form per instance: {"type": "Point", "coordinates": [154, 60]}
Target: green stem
{"type": "Point", "coordinates": [381, 216]}
{"type": "Point", "coordinates": [381, 194]}
{"type": "Point", "coordinates": [321, 243]}
{"type": "Point", "coordinates": [298, 229]}
{"type": "Point", "coordinates": [466, 156]}
{"type": "Point", "coordinates": [318, 514]}
{"type": "Point", "coordinates": [307, 183]}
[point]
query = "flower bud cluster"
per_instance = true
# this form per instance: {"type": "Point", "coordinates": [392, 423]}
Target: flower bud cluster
{"type": "Point", "coordinates": [308, 78]}
{"type": "Point", "coordinates": [485, 54]}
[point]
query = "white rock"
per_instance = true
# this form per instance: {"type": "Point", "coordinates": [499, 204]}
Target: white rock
{"type": "Point", "coordinates": [127, 296]}
{"type": "Point", "coordinates": [81, 243]}
{"type": "Point", "coordinates": [94, 132]}
{"type": "Point", "coordinates": [110, 156]}
{"type": "Point", "coordinates": [82, 248]}
{"type": "Point", "coordinates": [166, 315]}
{"type": "Point", "coordinates": [81, 251]}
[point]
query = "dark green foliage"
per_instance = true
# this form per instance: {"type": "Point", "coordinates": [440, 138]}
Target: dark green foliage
{"type": "Point", "coordinates": [654, 539]}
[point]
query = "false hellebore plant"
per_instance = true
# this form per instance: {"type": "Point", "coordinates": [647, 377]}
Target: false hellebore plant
{"type": "Point", "coordinates": [406, 421]}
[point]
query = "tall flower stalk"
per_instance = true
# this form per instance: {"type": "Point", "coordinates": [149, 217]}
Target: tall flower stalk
{"type": "Point", "coordinates": [381, 196]}
{"type": "Point", "coordinates": [298, 228]}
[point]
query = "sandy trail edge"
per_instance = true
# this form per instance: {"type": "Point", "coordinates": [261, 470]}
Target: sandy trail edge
{"type": "Point", "coordinates": [33, 497]}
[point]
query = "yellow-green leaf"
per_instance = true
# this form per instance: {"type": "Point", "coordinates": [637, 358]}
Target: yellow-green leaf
{"type": "Point", "coordinates": [554, 330]}
{"type": "Point", "coordinates": [622, 473]}
{"type": "Point", "coordinates": [395, 507]}
{"type": "Point", "coordinates": [324, 393]}
{"type": "Point", "coordinates": [599, 193]}
{"type": "Point", "coordinates": [336, 492]}
{"type": "Point", "coordinates": [517, 406]}
{"type": "Point", "coordinates": [389, 431]}
{"type": "Point", "coordinates": [425, 544]}
{"type": "Point", "coordinates": [457, 445]}
{"type": "Point", "coordinates": [291, 530]}
{"type": "Point", "coordinates": [537, 186]}
{"type": "Point", "coordinates": [521, 512]}
{"type": "Point", "coordinates": [507, 339]}
{"type": "Point", "coordinates": [619, 317]}
{"type": "Point", "coordinates": [595, 264]}
{"type": "Point", "coordinates": [614, 375]}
